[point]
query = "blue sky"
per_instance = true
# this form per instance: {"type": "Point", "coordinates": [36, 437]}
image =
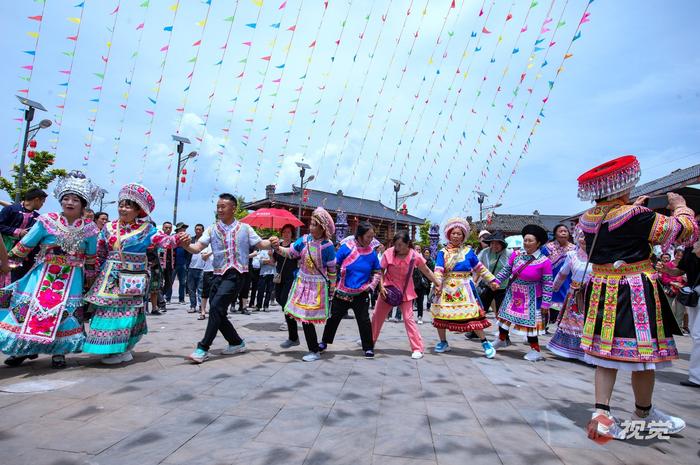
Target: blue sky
{"type": "Point", "coordinates": [385, 101]}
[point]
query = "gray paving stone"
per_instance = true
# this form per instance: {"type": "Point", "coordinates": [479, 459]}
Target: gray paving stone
{"type": "Point", "coordinates": [294, 426]}
{"type": "Point", "coordinates": [343, 445]}
{"type": "Point", "coordinates": [158, 441]}
{"type": "Point", "coordinates": [266, 454]}
{"type": "Point", "coordinates": [388, 460]}
{"type": "Point", "coordinates": [404, 435]}
{"type": "Point", "coordinates": [219, 442]}
{"type": "Point", "coordinates": [472, 448]}
{"type": "Point", "coordinates": [451, 418]}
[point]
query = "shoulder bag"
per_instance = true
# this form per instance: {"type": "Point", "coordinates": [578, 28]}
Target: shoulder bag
{"type": "Point", "coordinates": [394, 296]}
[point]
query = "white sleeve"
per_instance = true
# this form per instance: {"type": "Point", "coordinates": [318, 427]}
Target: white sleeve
{"type": "Point", "coordinates": [206, 236]}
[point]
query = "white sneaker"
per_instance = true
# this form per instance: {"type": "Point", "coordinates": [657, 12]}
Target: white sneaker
{"type": "Point", "coordinates": [660, 420]}
{"type": "Point", "coordinates": [420, 321]}
{"type": "Point", "coordinates": [416, 355]}
{"type": "Point", "coordinates": [605, 425]}
{"type": "Point", "coordinates": [283, 327]}
{"type": "Point", "coordinates": [358, 342]}
{"type": "Point", "coordinates": [533, 356]}
{"type": "Point", "coordinates": [230, 350]}
{"type": "Point", "coordinates": [115, 359]}
{"type": "Point", "coordinates": [499, 344]}
{"type": "Point", "coordinates": [311, 357]}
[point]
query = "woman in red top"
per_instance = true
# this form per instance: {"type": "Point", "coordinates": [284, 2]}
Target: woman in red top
{"type": "Point", "coordinates": [397, 263]}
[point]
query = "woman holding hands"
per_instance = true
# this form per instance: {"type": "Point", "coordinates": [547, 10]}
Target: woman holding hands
{"type": "Point", "coordinates": [396, 288]}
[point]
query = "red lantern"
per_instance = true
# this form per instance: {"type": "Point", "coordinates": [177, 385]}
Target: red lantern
{"type": "Point", "coordinates": [306, 195]}
{"type": "Point", "coordinates": [183, 179]}
{"type": "Point", "coordinates": [31, 154]}
{"type": "Point", "coordinates": [32, 143]}
{"type": "Point", "coordinates": [184, 170]}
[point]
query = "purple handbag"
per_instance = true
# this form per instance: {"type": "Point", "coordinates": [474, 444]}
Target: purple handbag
{"type": "Point", "coordinates": [394, 296]}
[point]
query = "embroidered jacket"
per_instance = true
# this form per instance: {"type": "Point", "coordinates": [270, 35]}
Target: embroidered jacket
{"type": "Point", "coordinates": [359, 267]}
{"type": "Point", "coordinates": [230, 244]}
{"type": "Point", "coordinates": [629, 231]}
{"type": "Point", "coordinates": [535, 269]}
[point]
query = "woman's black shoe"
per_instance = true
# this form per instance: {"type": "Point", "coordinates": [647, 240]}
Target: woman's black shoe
{"type": "Point", "coordinates": [58, 361]}
{"type": "Point", "coordinates": [15, 361]}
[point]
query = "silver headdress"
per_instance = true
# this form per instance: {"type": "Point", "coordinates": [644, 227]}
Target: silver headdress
{"type": "Point", "coordinates": [76, 183]}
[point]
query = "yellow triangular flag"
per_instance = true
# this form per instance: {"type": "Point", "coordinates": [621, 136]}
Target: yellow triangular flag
{"type": "Point", "coordinates": [35, 35]}
{"type": "Point", "coordinates": [257, 3]}
{"type": "Point", "coordinates": [74, 20]}
{"type": "Point", "coordinates": [174, 7]}
{"type": "Point", "coordinates": [201, 23]}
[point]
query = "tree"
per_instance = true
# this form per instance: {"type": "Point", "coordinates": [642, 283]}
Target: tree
{"type": "Point", "coordinates": [423, 231]}
{"type": "Point", "coordinates": [38, 174]}
{"type": "Point", "coordinates": [240, 211]}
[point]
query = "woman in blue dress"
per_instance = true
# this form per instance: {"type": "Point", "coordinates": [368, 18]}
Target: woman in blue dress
{"type": "Point", "coordinates": [45, 311]}
{"type": "Point", "coordinates": [120, 289]}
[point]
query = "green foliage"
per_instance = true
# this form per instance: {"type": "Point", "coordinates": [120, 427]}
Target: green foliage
{"type": "Point", "coordinates": [424, 238]}
{"type": "Point", "coordinates": [38, 174]}
{"type": "Point", "coordinates": [241, 212]}
{"type": "Point", "coordinates": [473, 239]}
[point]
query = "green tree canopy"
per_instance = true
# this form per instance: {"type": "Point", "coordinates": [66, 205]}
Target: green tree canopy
{"type": "Point", "coordinates": [38, 174]}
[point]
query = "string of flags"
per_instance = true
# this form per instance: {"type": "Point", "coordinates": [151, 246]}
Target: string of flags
{"type": "Point", "coordinates": [422, 89]}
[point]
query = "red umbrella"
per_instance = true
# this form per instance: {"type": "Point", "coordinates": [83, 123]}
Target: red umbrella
{"type": "Point", "coordinates": [273, 218]}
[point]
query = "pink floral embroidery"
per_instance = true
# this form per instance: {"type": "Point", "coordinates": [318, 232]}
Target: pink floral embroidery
{"type": "Point", "coordinates": [49, 298]}
{"type": "Point", "coordinates": [54, 269]}
{"type": "Point", "coordinates": [45, 325]}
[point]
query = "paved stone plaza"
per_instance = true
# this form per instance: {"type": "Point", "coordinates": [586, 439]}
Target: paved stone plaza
{"type": "Point", "coordinates": [267, 407]}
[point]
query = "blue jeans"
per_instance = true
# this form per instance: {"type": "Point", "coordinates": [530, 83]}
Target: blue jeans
{"type": "Point", "coordinates": [181, 273]}
{"type": "Point", "coordinates": [194, 286]}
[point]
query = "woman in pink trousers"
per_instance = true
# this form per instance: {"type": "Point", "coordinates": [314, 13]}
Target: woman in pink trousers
{"type": "Point", "coordinates": [396, 286]}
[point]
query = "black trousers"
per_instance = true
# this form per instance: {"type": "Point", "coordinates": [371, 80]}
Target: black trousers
{"type": "Point", "coordinates": [487, 296]}
{"type": "Point", "coordinates": [360, 307]}
{"type": "Point", "coordinates": [265, 288]}
{"type": "Point", "coordinates": [168, 279]}
{"type": "Point", "coordinates": [420, 300]}
{"type": "Point", "coordinates": [309, 333]}
{"type": "Point", "coordinates": [283, 289]}
{"type": "Point", "coordinates": [224, 291]}
{"type": "Point", "coordinates": [254, 276]}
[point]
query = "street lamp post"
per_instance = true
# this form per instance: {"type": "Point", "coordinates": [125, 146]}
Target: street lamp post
{"type": "Point", "coordinates": [28, 117]}
{"type": "Point", "coordinates": [181, 162]}
{"type": "Point", "coordinates": [480, 199]}
{"type": "Point", "coordinates": [302, 172]}
{"type": "Point", "coordinates": [101, 196]}
{"type": "Point", "coordinates": [397, 198]}
{"type": "Point", "coordinates": [492, 207]}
